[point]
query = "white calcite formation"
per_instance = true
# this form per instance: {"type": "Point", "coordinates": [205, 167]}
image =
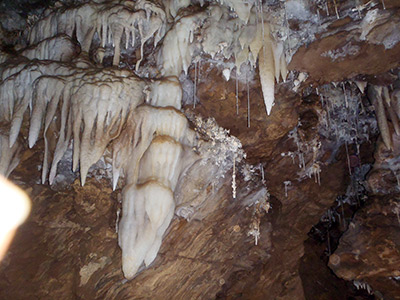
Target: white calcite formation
{"type": "Point", "coordinates": [246, 38]}
{"type": "Point", "coordinates": [132, 24]}
{"type": "Point", "coordinates": [3, 56]}
{"type": "Point", "coordinates": [9, 158]}
{"type": "Point", "coordinates": [59, 48]}
{"type": "Point", "coordinates": [66, 100]}
{"type": "Point", "coordinates": [386, 107]}
{"type": "Point", "coordinates": [116, 23]}
{"type": "Point", "coordinates": [94, 107]}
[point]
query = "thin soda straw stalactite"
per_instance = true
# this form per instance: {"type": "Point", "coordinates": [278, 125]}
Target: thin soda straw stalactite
{"type": "Point", "coordinates": [194, 85]}
{"type": "Point", "coordinates": [234, 178]}
{"type": "Point", "coordinates": [237, 94]}
{"type": "Point", "coordinates": [248, 102]}
{"type": "Point", "coordinates": [336, 9]}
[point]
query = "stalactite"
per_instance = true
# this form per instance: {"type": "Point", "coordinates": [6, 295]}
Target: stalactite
{"type": "Point", "coordinates": [361, 85]}
{"type": "Point", "coordinates": [175, 55]}
{"type": "Point", "coordinates": [109, 20]}
{"type": "Point", "coordinates": [336, 9]}
{"type": "Point", "coordinates": [58, 48]}
{"type": "Point", "coordinates": [267, 72]}
{"type": "Point", "coordinates": [375, 94]}
{"type": "Point", "coordinates": [9, 156]}
{"type": "Point", "coordinates": [395, 101]}
{"type": "Point", "coordinates": [229, 37]}
{"type": "Point", "coordinates": [237, 94]}
{"type": "Point", "coordinates": [195, 85]}
{"type": "Point", "coordinates": [391, 110]}
{"type": "Point", "coordinates": [78, 104]}
{"type": "Point", "coordinates": [248, 102]}
{"type": "Point", "coordinates": [234, 179]}
{"type": "Point", "coordinates": [347, 157]}
{"type": "Point", "coordinates": [345, 95]}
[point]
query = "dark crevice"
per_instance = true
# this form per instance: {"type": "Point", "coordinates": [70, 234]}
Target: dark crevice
{"type": "Point", "coordinates": [319, 281]}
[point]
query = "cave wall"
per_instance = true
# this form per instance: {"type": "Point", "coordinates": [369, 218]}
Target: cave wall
{"type": "Point", "coordinates": [68, 247]}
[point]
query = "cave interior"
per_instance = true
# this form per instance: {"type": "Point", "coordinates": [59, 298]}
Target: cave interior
{"type": "Point", "coordinates": [202, 149]}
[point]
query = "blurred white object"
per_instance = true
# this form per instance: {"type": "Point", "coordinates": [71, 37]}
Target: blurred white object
{"type": "Point", "coordinates": [14, 209]}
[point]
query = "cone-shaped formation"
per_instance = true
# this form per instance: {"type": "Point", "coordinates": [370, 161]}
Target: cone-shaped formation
{"type": "Point", "coordinates": [147, 212]}
{"type": "Point", "coordinates": [245, 38]}
{"type": "Point", "coordinates": [386, 107]}
{"type": "Point", "coordinates": [72, 102]}
{"type": "Point", "coordinates": [112, 22]}
{"type": "Point", "coordinates": [152, 153]}
{"type": "Point", "coordinates": [9, 158]}
{"type": "Point", "coordinates": [93, 107]}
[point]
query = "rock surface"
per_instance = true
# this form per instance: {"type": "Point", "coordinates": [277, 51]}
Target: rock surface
{"type": "Point", "coordinates": [369, 251]}
{"type": "Point", "coordinates": [68, 248]}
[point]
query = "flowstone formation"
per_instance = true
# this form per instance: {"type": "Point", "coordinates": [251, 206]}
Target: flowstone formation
{"type": "Point", "coordinates": [58, 85]}
{"type": "Point", "coordinates": [118, 94]}
{"type": "Point", "coordinates": [93, 107]}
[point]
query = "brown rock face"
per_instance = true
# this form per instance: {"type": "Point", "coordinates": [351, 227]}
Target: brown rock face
{"type": "Point", "coordinates": [68, 248]}
{"type": "Point", "coordinates": [69, 245]}
{"type": "Point", "coordinates": [261, 134]}
{"type": "Point", "coordinates": [370, 249]}
{"type": "Point", "coordinates": [69, 236]}
{"type": "Point", "coordinates": [344, 52]}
